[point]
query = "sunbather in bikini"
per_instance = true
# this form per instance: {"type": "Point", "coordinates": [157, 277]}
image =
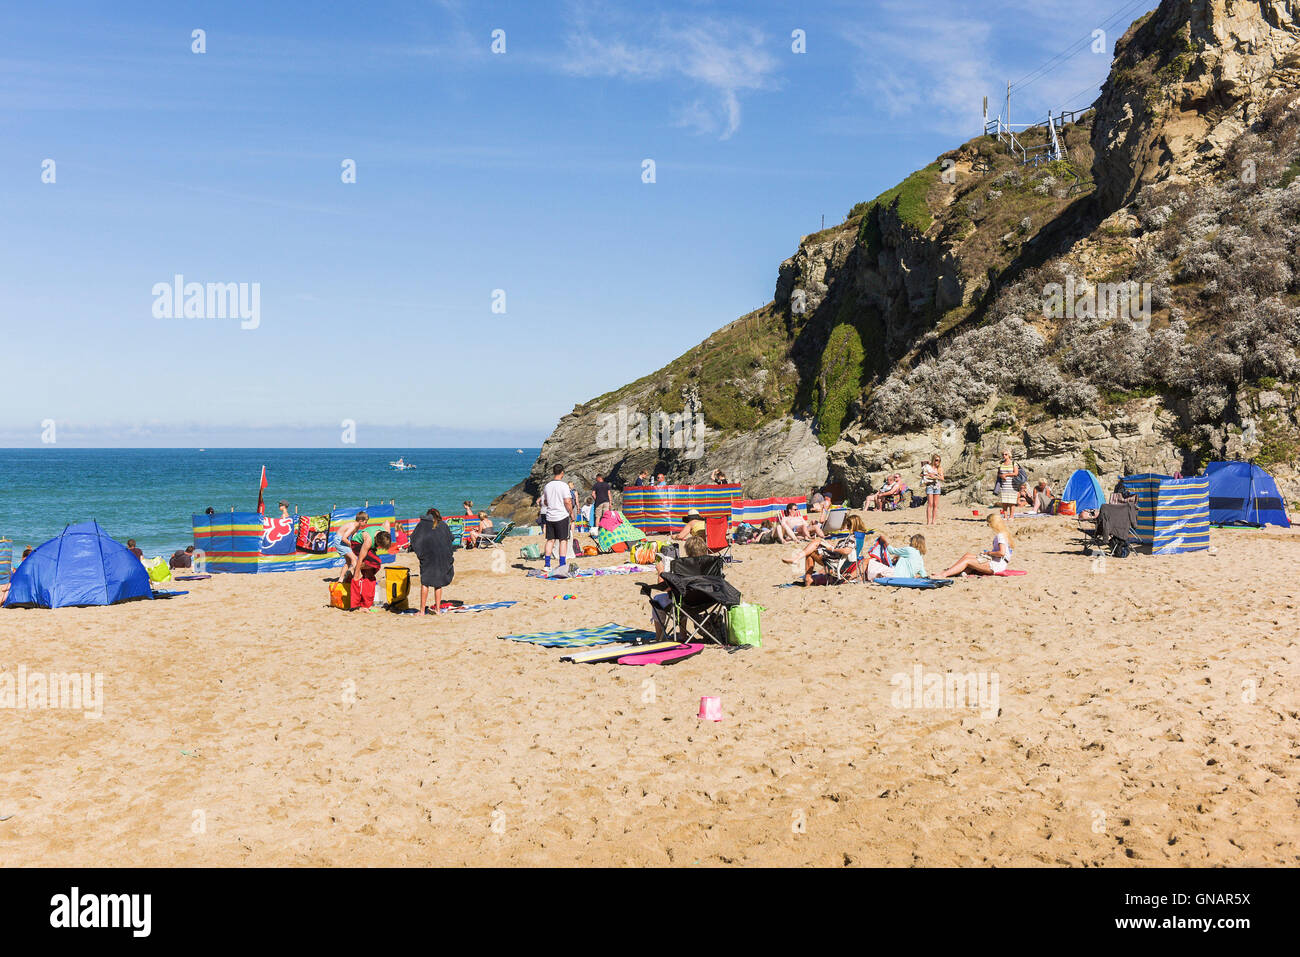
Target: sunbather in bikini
{"type": "Point", "coordinates": [792, 526]}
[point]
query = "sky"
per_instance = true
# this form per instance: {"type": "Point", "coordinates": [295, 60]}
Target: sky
{"type": "Point", "coordinates": [504, 250]}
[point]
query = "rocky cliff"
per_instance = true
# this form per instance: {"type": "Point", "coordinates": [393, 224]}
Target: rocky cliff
{"type": "Point", "coordinates": [1130, 307]}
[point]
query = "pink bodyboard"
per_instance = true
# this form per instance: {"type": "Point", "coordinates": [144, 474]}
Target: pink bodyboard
{"type": "Point", "coordinates": [663, 657]}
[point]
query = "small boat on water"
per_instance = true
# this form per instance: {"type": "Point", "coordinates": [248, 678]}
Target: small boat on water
{"type": "Point", "coordinates": [520, 451]}
{"type": "Point", "coordinates": [401, 464]}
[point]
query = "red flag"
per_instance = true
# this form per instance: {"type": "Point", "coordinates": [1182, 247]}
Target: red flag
{"type": "Point", "coordinates": [261, 506]}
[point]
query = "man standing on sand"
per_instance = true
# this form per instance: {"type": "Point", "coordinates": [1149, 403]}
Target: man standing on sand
{"type": "Point", "coordinates": [600, 496]}
{"type": "Point", "coordinates": [557, 510]}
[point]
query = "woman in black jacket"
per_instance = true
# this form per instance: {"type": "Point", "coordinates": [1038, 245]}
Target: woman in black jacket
{"type": "Point", "coordinates": [431, 544]}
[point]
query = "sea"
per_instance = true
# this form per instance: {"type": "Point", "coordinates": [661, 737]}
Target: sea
{"type": "Point", "coordinates": [151, 494]}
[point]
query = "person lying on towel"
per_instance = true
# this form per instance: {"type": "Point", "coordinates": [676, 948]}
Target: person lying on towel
{"type": "Point", "coordinates": [841, 552]}
{"type": "Point", "coordinates": [887, 561]}
{"type": "Point", "coordinates": [989, 562]}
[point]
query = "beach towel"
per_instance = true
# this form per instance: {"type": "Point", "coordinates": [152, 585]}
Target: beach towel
{"type": "Point", "coordinates": [627, 532]}
{"type": "Point", "coordinates": [611, 653]}
{"type": "Point", "coordinates": [667, 657]}
{"type": "Point", "coordinates": [458, 605]}
{"type": "Point", "coordinates": [485, 606]}
{"type": "Point", "coordinates": [1009, 572]}
{"type": "Point", "coordinates": [914, 582]}
{"type": "Point", "coordinates": [589, 572]}
{"type": "Point", "coordinates": [585, 637]}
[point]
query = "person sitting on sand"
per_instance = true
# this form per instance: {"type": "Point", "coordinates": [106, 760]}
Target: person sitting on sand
{"type": "Point", "coordinates": [989, 562]}
{"type": "Point", "coordinates": [891, 493]}
{"type": "Point", "coordinates": [284, 509]}
{"type": "Point", "coordinates": [432, 546]}
{"type": "Point", "coordinates": [343, 543]}
{"type": "Point", "coordinates": [904, 561]}
{"type": "Point", "coordinates": [469, 507]}
{"type": "Point", "coordinates": [134, 549]}
{"type": "Point", "coordinates": [826, 553]}
{"type": "Point", "coordinates": [1042, 497]}
{"type": "Point", "coordinates": [692, 525]}
{"type": "Point", "coordinates": [182, 559]}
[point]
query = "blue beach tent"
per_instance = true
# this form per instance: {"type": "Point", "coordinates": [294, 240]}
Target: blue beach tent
{"type": "Point", "coordinates": [1244, 494]}
{"type": "Point", "coordinates": [1084, 490]}
{"type": "Point", "coordinates": [83, 566]}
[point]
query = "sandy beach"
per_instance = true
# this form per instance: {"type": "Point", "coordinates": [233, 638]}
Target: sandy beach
{"type": "Point", "coordinates": [1147, 714]}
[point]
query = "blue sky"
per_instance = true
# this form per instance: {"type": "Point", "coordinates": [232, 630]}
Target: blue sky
{"type": "Point", "coordinates": [475, 171]}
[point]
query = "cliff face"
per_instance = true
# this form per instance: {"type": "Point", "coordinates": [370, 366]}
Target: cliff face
{"type": "Point", "coordinates": [923, 324]}
{"type": "Point", "coordinates": [1188, 80]}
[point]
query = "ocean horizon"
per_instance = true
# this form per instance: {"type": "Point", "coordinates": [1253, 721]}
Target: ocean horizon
{"type": "Point", "coordinates": [150, 494]}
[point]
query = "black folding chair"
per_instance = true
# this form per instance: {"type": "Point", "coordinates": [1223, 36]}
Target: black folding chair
{"type": "Point", "coordinates": [699, 596]}
{"type": "Point", "coordinates": [1114, 531]}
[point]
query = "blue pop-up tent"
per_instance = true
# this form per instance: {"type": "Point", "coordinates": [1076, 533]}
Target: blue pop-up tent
{"type": "Point", "coordinates": [1084, 490]}
{"type": "Point", "coordinates": [1242, 493]}
{"type": "Point", "coordinates": [82, 566]}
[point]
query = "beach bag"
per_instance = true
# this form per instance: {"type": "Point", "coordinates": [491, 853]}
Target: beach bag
{"type": "Point", "coordinates": [362, 593]}
{"type": "Point", "coordinates": [646, 553]}
{"type": "Point", "coordinates": [531, 551]}
{"type": "Point", "coordinates": [158, 570]}
{"type": "Point", "coordinates": [1021, 478]}
{"type": "Point", "coordinates": [743, 625]}
{"type": "Point", "coordinates": [1065, 508]}
{"type": "Point", "coordinates": [340, 596]}
{"type": "Point", "coordinates": [397, 587]}
{"type": "Point", "coordinates": [589, 550]}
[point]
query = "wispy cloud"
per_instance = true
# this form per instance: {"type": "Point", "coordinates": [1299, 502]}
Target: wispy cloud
{"type": "Point", "coordinates": [932, 66]}
{"type": "Point", "coordinates": [720, 60]}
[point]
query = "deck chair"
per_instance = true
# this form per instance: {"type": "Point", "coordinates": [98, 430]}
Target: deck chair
{"type": "Point", "coordinates": [840, 570]}
{"type": "Point", "coordinates": [497, 540]}
{"type": "Point", "coordinates": [699, 597]}
{"type": "Point", "coordinates": [715, 532]}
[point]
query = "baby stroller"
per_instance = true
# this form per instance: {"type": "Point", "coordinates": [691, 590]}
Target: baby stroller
{"type": "Point", "coordinates": [1112, 533]}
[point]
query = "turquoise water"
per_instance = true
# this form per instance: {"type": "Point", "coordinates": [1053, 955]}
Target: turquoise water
{"type": "Point", "coordinates": [150, 494]}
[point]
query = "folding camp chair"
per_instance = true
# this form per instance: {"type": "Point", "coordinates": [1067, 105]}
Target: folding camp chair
{"type": "Point", "coordinates": [497, 540]}
{"type": "Point", "coordinates": [1113, 532]}
{"type": "Point", "coordinates": [715, 532]}
{"type": "Point", "coordinates": [699, 598]}
{"type": "Point", "coordinates": [840, 570]}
